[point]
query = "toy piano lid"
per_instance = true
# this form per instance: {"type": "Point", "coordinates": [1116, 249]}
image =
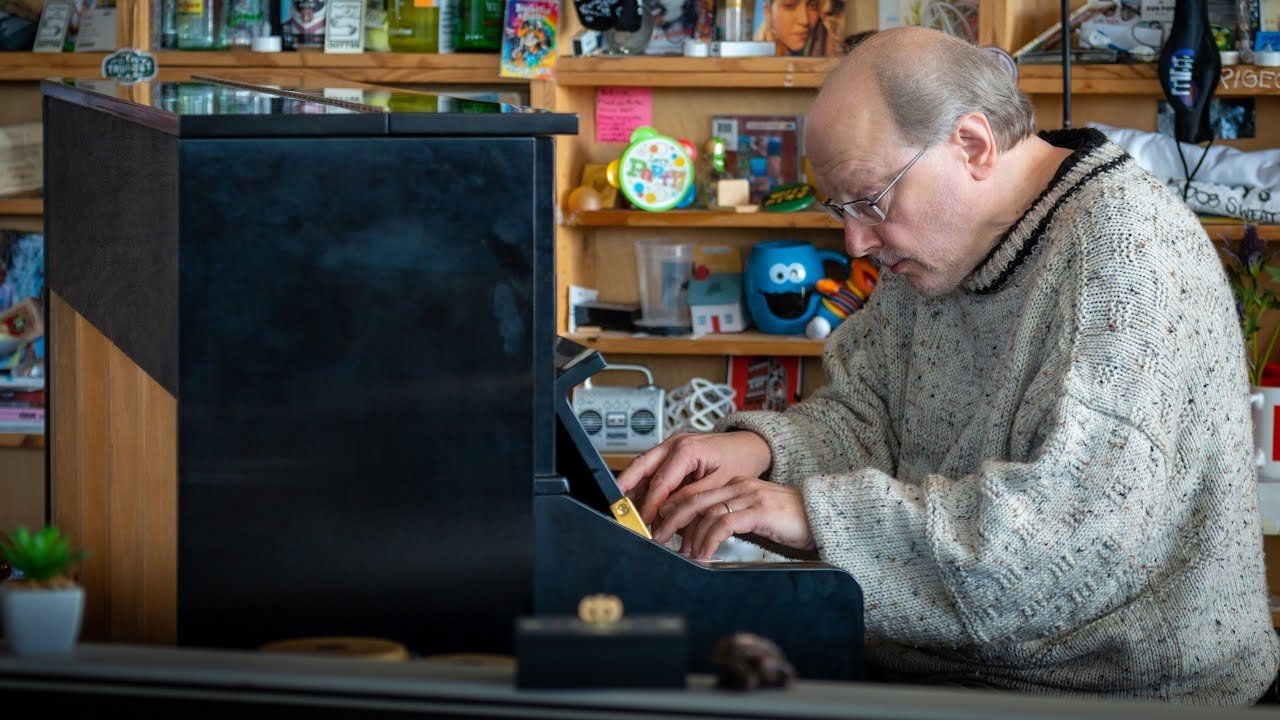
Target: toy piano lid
{"type": "Point", "coordinates": [578, 458]}
{"type": "Point", "coordinates": [217, 107]}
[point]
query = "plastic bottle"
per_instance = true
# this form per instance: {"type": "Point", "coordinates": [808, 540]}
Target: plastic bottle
{"type": "Point", "coordinates": [202, 24]}
{"type": "Point", "coordinates": [244, 21]}
{"type": "Point", "coordinates": [169, 24]}
{"type": "Point", "coordinates": [413, 26]}
{"type": "Point", "coordinates": [375, 27]}
{"type": "Point", "coordinates": [447, 23]}
{"type": "Point", "coordinates": [732, 28]}
{"type": "Point", "coordinates": [478, 27]}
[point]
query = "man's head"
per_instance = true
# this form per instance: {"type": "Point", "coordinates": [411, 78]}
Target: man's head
{"type": "Point", "coordinates": [791, 23]}
{"type": "Point", "coordinates": [897, 94]}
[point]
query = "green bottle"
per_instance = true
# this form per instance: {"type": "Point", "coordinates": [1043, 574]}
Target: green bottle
{"type": "Point", "coordinates": [478, 26]}
{"type": "Point", "coordinates": [413, 26]}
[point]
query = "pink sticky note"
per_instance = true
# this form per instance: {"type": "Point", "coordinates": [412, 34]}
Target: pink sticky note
{"type": "Point", "coordinates": [619, 110]}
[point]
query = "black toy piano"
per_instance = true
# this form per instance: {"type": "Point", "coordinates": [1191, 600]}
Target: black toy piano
{"type": "Point", "coordinates": [590, 539]}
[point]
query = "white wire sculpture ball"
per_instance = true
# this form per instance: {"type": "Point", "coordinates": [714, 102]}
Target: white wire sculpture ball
{"type": "Point", "coordinates": [697, 405]}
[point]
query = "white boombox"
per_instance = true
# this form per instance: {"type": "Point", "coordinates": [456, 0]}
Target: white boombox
{"type": "Point", "coordinates": [621, 419]}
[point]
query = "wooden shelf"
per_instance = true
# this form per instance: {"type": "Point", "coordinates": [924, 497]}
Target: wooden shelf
{"type": "Point", "coordinates": [19, 440]}
{"type": "Point", "coordinates": [803, 220]}
{"type": "Point", "coordinates": [1140, 79]}
{"type": "Point", "coordinates": [743, 343]}
{"type": "Point", "coordinates": [22, 206]}
{"type": "Point", "coordinates": [1218, 227]}
{"type": "Point", "coordinates": [654, 71]}
{"type": "Point", "coordinates": [363, 67]}
{"type": "Point", "coordinates": [38, 66]}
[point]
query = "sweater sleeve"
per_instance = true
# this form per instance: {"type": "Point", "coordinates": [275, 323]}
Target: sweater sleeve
{"type": "Point", "coordinates": [1017, 550]}
{"type": "Point", "coordinates": [849, 422]}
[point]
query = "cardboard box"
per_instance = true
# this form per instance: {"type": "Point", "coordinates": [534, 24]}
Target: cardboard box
{"type": "Point", "coordinates": [21, 159]}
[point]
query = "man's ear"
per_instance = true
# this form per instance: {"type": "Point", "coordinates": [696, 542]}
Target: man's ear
{"type": "Point", "coordinates": [974, 137]}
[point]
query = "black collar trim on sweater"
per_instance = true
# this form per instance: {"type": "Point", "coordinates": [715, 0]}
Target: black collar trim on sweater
{"type": "Point", "coordinates": [1082, 142]}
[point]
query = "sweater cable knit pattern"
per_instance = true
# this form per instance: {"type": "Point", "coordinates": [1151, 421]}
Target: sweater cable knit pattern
{"type": "Point", "coordinates": [1043, 480]}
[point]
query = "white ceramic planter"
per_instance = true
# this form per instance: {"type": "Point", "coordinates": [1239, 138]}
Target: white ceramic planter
{"type": "Point", "coordinates": [41, 622]}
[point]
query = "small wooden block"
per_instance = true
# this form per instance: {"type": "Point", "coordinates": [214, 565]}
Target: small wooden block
{"type": "Point", "coordinates": [733, 192]}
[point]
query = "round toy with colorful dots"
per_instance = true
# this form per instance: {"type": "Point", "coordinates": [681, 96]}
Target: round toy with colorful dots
{"type": "Point", "coordinates": [655, 172]}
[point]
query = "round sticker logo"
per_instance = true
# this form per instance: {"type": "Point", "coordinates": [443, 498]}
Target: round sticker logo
{"type": "Point", "coordinates": [129, 66]}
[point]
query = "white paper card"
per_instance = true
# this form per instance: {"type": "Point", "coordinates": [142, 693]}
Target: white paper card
{"type": "Point", "coordinates": [97, 30]}
{"type": "Point", "coordinates": [52, 30]}
{"type": "Point", "coordinates": [344, 26]}
{"type": "Point", "coordinates": [577, 296]}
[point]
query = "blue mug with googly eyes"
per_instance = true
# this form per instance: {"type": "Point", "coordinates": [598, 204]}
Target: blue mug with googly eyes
{"type": "Point", "coordinates": [780, 283]}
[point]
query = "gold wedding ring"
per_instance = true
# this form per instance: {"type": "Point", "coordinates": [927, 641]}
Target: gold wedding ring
{"type": "Point", "coordinates": [726, 506]}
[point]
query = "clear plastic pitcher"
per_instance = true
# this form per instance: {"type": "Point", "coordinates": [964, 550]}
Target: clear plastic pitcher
{"type": "Point", "coordinates": [664, 268]}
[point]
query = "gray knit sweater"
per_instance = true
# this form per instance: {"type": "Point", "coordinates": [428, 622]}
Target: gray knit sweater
{"type": "Point", "coordinates": [1043, 479]}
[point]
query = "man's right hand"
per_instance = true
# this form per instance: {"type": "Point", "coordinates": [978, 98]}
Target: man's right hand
{"type": "Point", "coordinates": [710, 460]}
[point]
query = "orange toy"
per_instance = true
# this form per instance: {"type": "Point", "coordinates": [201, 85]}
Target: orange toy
{"type": "Point", "coordinates": [842, 299]}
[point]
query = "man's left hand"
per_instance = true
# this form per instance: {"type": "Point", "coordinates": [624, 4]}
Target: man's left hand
{"type": "Point", "coordinates": [743, 505]}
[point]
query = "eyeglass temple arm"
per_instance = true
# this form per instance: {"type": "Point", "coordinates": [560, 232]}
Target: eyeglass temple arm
{"type": "Point", "coordinates": [897, 177]}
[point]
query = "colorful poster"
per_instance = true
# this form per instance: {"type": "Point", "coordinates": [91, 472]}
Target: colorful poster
{"type": "Point", "coordinates": [529, 39]}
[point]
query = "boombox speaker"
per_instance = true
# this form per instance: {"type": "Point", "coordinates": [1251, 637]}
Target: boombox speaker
{"type": "Point", "coordinates": [621, 419]}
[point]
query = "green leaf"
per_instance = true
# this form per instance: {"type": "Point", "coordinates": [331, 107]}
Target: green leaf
{"type": "Point", "coordinates": [41, 555]}
{"type": "Point", "coordinates": [1249, 264]}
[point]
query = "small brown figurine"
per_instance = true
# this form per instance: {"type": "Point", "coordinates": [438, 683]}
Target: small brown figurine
{"type": "Point", "coordinates": [744, 661]}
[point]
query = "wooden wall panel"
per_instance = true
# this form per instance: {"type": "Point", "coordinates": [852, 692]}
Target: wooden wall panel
{"type": "Point", "coordinates": [113, 468]}
{"type": "Point", "coordinates": [22, 487]}
{"type": "Point", "coordinates": [123, 496]}
{"type": "Point", "coordinates": [159, 553]}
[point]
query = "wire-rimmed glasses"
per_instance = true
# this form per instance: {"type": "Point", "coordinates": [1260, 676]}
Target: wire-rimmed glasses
{"type": "Point", "coordinates": [866, 211]}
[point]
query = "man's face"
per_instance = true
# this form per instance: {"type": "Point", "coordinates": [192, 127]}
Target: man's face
{"type": "Point", "coordinates": [856, 152]}
{"type": "Point", "coordinates": [922, 236]}
{"type": "Point", "coordinates": [792, 21]}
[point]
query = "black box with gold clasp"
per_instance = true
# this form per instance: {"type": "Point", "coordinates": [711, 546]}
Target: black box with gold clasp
{"type": "Point", "coordinates": [567, 652]}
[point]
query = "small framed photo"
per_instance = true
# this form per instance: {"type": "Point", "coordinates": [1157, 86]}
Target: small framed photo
{"type": "Point", "coordinates": [344, 27]}
{"type": "Point", "coordinates": [97, 29]}
{"type": "Point", "coordinates": [52, 30]}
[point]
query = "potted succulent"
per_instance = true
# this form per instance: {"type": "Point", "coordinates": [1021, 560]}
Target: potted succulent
{"type": "Point", "coordinates": [42, 602]}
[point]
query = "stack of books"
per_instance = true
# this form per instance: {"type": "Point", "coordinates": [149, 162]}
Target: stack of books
{"type": "Point", "coordinates": [22, 405]}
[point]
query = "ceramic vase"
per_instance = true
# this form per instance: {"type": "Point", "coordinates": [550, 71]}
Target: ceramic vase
{"type": "Point", "coordinates": [38, 621]}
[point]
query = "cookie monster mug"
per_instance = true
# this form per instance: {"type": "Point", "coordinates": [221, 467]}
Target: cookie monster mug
{"type": "Point", "coordinates": [780, 282]}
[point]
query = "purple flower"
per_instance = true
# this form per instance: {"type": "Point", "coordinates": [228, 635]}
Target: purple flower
{"type": "Point", "coordinates": [1253, 251]}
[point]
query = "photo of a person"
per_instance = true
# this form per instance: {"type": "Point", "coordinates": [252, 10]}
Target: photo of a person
{"type": "Point", "coordinates": [829, 33]}
{"type": "Point", "coordinates": [790, 24]}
